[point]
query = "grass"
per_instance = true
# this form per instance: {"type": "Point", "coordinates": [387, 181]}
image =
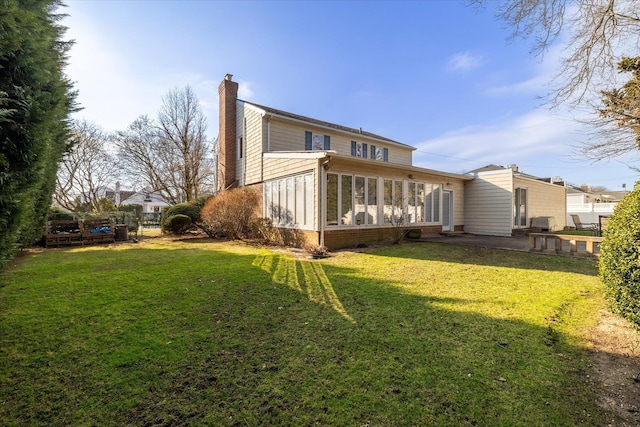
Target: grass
{"type": "Point", "coordinates": [202, 333]}
{"type": "Point", "coordinates": [577, 232]}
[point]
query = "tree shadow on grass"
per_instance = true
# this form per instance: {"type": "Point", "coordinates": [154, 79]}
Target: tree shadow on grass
{"type": "Point", "coordinates": [225, 338]}
{"type": "Point", "coordinates": [459, 254]}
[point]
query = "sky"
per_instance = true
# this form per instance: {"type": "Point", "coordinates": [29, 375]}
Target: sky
{"type": "Point", "coordinates": [438, 75]}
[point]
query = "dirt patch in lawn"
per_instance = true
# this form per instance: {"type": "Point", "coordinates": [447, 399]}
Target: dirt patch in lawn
{"type": "Point", "coordinates": [616, 369]}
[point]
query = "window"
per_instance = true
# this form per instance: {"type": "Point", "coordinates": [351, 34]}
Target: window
{"type": "Point", "coordinates": [398, 200]}
{"type": "Point", "coordinates": [359, 200]}
{"type": "Point", "coordinates": [388, 201]}
{"type": "Point", "coordinates": [372, 201]}
{"type": "Point", "coordinates": [378, 153]}
{"type": "Point", "coordinates": [420, 203]}
{"type": "Point", "coordinates": [240, 147]}
{"type": "Point", "coordinates": [289, 202]}
{"type": "Point", "coordinates": [332, 199]}
{"type": "Point", "coordinates": [436, 203]}
{"type": "Point", "coordinates": [347, 200]}
{"type": "Point", "coordinates": [359, 149]}
{"type": "Point", "coordinates": [314, 141]}
{"type": "Point", "coordinates": [411, 203]}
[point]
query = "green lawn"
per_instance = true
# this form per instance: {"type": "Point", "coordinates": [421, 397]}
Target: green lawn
{"type": "Point", "coordinates": [202, 333]}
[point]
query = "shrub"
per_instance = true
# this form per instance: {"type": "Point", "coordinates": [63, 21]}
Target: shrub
{"type": "Point", "coordinates": [56, 213]}
{"type": "Point", "coordinates": [232, 212]}
{"type": "Point", "coordinates": [185, 209]}
{"type": "Point", "coordinates": [177, 224]}
{"type": "Point", "coordinates": [620, 258]}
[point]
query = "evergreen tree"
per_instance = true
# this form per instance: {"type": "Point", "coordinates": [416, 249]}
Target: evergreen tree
{"type": "Point", "coordinates": [35, 101]}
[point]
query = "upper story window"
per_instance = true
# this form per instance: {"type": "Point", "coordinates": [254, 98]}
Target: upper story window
{"type": "Point", "coordinates": [314, 141]}
{"type": "Point", "coordinates": [359, 149]}
{"type": "Point", "coordinates": [378, 153]}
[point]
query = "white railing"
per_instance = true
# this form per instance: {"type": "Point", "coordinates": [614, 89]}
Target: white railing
{"type": "Point", "coordinates": [591, 207]}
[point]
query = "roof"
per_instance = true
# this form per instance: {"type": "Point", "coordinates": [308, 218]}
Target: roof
{"type": "Point", "coordinates": [310, 120]}
{"type": "Point", "coordinates": [329, 154]}
{"type": "Point", "coordinates": [487, 168]}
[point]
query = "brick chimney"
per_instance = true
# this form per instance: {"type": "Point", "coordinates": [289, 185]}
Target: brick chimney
{"type": "Point", "coordinates": [228, 93]}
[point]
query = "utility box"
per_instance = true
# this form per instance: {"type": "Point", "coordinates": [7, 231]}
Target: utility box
{"type": "Point", "coordinates": [122, 232]}
{"type": "Point", "coordinates": [544, 223]}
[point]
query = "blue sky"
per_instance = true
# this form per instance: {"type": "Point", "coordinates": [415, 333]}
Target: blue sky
{"type": "Point", "coordinates": [437, 75]}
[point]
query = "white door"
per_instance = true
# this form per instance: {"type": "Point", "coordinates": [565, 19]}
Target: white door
{"type": "Point", "coordinates": [447, 210]}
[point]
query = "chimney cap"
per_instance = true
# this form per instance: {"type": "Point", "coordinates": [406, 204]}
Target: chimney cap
{"type": "Point", "coordinates": [228, 77]}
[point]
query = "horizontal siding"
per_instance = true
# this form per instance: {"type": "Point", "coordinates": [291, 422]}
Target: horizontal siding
{"type": "Point", "coordinates": [458, 201]}
{"type": "Point", "coordinates": [277, 168]}
{"type": "Point", "coordinates": [254, 139]}
{"type": "Point", "coordinates": [488, 200]}
{"type": "Point", "coordinates": [290, 137]}
{"type": "Point", "coordinates": [544, 199]}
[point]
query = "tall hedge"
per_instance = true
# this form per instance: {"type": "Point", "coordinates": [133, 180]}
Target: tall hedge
{"type": "Point", "coordinates": [620, 258]}
{"type": "Point", "coordinates": [35, 102]}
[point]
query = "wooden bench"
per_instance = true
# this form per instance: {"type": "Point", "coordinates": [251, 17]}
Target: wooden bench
{"type": "Point", "coordinates": [63, 233]}
{"type": "Point", "coordinates": [98, 230]}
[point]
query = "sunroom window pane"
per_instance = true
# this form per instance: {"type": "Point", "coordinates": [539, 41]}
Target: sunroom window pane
{"type": "Point", "coordinates": [420, 203]}
{"type": "Point", "coordinates": [372, 201]}
{"type": "Point", "coordinates": [347, 199]}
{"type": "Point", "coordinates": [411, 196]}
{"type": "Point", "coordinates": [397, 201]}
{"type": "Point", "coordinates": [332, 199]}
{"type": "Point", "coordinates": [388, 200]}
{"type": "Point", "coordinates": [358, 198]}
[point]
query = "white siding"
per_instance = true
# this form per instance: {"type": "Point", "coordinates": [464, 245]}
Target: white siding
{"type": "Point", "coordinates": [544, 199]}
{"type": "Point", "coordinates": [488, 204]}
{"type": "Point", "coordinates": [249, 126]}
{"type": "Point", "coordinates": [286, 136]}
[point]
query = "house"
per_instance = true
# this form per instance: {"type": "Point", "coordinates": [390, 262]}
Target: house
{"type": "Point", "coordinates": [151, 201]}
{"type": "Point", "coordinates": [589, 205]}
{"type": "Point", "coordinates": [500, 200]}
{"type": "Point", "coordinates": [339, 186]}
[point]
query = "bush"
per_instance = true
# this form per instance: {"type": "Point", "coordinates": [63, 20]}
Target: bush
{"type": "Point", "coordinates": [620, 258]}
{"type": "Point", "coordinates": [185, 209]}
{"type": "Point", "coordinates": [177, 224]}
{"type": "Point", "coordinates": [232, 212]}
{"type": "Point", "coordinates": [56, 214]}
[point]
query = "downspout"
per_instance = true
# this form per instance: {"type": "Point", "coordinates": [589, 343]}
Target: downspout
{"type": "Point", "coordinates": [321, 198]}
{"type": "Point", "coordinates": [268, 148]}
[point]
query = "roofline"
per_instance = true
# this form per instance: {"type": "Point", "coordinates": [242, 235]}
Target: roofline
{"type": "Point", "coordinates": [331, 153]}
{"type": "Point", "coordinates": [334, 127]}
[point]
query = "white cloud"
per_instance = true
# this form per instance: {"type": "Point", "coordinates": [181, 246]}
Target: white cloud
{"type": "Point", "coordinates": [464, 61]}
{"type": "Point", "coordinates": [244, 90]}
{"type": "Point", "coordinates": [537, 140]}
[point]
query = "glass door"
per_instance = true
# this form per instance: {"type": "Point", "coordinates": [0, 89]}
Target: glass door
{"type": "Point", "coordinates": [520, 208]}
{"type": "Point", "coordinates": [447, 210]}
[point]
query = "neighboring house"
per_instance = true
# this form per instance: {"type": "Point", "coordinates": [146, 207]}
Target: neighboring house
{"type": "Point", "coordinates": [151, 201]}
{"type": "Point", "coordinates": [339, 186]}
{"type": "Point", "coordinates": [500, 200]}
{"type": "Point", "coordinates": [589, 205]}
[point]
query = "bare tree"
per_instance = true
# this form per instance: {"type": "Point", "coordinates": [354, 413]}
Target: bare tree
{"type": "Point", "coordinates": [86, 169]}
{"type": "Point", "coordinates": [598, 34]}
{"type": "Point", "coordinates": [597, 31]}
{"type": "Point", "coordinates": [172, 154]}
